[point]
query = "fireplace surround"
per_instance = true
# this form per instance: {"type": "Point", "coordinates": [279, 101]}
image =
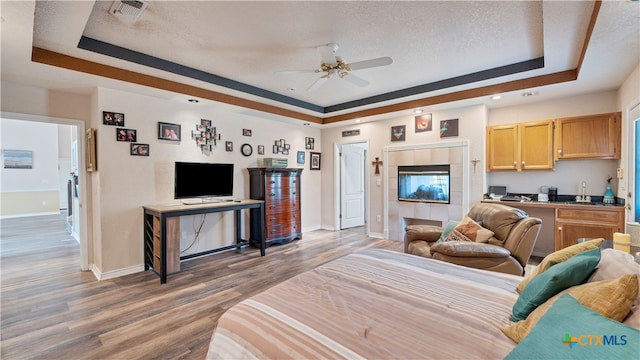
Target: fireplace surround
{"type": "Point", "coordinates": [400, 213]}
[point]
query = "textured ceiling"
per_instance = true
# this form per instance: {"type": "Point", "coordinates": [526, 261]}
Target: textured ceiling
{"type": "Point", "coordinates": [430, 42]}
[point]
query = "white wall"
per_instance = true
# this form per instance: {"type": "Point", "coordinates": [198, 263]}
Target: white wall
{"type": "Point", "coordinates": [569, 173]}
{"type": "Point", "coordinates": [30, 191]}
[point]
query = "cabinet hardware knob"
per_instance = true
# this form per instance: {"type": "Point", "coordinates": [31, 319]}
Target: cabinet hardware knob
{"type": "Point", "coordinates": [272, 181]}
{"type": "Point", "coordinates": [523, 164]}
{"type": "Point", "coordinates": [515, 164]}
{"type": "Point", "coordinates": [273, 231]}
{"type": "Point", "coordinates": [560, 151]}
{"type": "Point", "coordinates": [272, 207]}
{"type": "Point", "coordinates": [273, 219]}
{"type": "Point", "coordinates": [559, 228]}
{"type": "Point", "coordinates": [273, 194]}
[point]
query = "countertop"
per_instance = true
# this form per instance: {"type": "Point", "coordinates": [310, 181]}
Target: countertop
{"type": "Point", "coordinates": [557, 204]}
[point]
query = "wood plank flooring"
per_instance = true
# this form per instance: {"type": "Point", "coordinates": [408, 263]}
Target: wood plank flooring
{"type": "Point", "coordinates": [51, 310]}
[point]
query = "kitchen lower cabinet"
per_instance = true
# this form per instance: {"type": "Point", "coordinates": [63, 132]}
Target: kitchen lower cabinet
{"type": "Point", "coordinates": [280, 190]}
{"type": "Point", "coordinates": [574, 223]}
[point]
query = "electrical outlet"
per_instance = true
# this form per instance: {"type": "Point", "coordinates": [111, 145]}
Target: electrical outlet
{"type": "Point", "coordinates": [620, 173]}
{"type": "Point", "coordinates": [378, 218]}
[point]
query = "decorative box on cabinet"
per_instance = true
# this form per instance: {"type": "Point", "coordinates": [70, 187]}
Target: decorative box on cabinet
{"type": "Point", "coordinates": [280, 190]}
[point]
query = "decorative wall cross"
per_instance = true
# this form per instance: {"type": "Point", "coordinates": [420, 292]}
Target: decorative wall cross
{"type": "Point", "coordinates": [377, 163]}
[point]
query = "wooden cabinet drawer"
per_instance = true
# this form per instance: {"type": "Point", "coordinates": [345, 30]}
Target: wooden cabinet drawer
{"type": "Point", "coordinates": [588, 215]}
{"type": "Point", "coordinates": [281, 206]}
{"type": "Point", "coordinates": [281, 229]}
{"type": "Point", "coordinates": [286, 217]}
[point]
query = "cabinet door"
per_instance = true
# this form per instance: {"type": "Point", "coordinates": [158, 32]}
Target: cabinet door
{"type": "Point", "coordinates": [536, 146]}
{"type": "Point", "coordinates": [589, 137]}
{"type": "Point", "coordinates": [502, 147]}
{"type": "Point", "coordinates": [568, 232]}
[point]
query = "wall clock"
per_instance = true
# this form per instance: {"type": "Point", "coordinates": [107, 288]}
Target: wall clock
{"type": "Point", "coordinates": [246, 149]}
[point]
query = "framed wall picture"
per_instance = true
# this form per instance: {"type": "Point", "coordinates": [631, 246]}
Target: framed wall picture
{"type": "Point", "coordinates": [449, 128]}
{"type": "Point", "coordinates": [308, 143]}
{"type": "Point", "coordinates": [424, 123]}
{"type": "Point", "coordinates": [300, 157]}
{"type": "Point", "coordinates": [140, 149]}
{"type": "Point", "coordinates": [398, 133]}
{"type": "Point", "coordinates": [17, 159]}
{"type": "Point", "coordinates": [128, 135]}
{"type": "Point", "coordinates": [246, 132]}
{"type": "Point", "coordinates": [314, 161]}
{"type": "Point", "coordinates": [260, 149]}
{"type": "Point", "coordinates": [228, 145]}
{"type": "Point", "coordinates": [168, 131]}
{"type": "Point", "coordinates": [112, 118]}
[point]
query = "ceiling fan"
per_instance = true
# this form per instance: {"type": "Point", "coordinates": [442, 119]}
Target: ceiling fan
{"type": "Point", "coordinates": [333, 65]}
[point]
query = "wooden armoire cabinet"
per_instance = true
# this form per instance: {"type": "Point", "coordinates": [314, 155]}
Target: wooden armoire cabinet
{"type": "Point", "coordinates": [280, 190]}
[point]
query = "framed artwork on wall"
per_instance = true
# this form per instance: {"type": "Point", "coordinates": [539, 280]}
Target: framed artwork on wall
{"type": "Point", "coordinates": [398, 133]}
{"type": "Point", "coordinates": [424, 123]}
{"type": "Point", "coordinates": [449, 128]}
{"type": "Point", "coordinates": [112, 118]}
{"type": "Point", "coordinates": [140, 149]}
{"type": "Point", "coordinates": [128, 135]}
{"type": "Point", "coordinates": [300, 157]}
{"type": "Point", "coordinates": [168, 131]}
{"type": "Point", "coordinates": [314, 163]}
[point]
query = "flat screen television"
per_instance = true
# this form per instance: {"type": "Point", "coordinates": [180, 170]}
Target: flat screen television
{"type": "Point", "coordinates": [202, 180]}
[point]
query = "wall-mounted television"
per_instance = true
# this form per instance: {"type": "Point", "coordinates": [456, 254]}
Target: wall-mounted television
{"type": "Point", "coordinates": [202, 180]}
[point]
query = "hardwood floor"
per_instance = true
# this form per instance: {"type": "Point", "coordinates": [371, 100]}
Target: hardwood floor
{"type": "Point", "coordinates": [52, 310]}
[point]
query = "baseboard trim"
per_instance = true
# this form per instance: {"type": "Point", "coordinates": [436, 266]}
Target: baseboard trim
{"type": "Point", "coordinates": [376, 235]}
{"type": "Point", "coordinates": [116, 273]}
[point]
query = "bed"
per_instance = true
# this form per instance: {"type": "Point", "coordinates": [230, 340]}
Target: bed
{"type": "Point", "coordinates": [380, 304]}
{"type": "Point", "coordinates": [374, 304]}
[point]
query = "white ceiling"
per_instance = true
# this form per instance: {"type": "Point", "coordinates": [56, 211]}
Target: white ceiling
{"type": "Point", "coordinates": [251, 42]}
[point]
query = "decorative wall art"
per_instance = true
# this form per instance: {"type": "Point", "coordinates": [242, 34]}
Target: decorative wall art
{"type": "Point", "coordinates": [260, 149]}
{"type": "Point", "coordinates": [281, 147]}
{"type": "Point", "coordinates": [112, 118]}
{"type": "Point", "coordinates": [314, 163]}
{"type": "Point", "coordinates": [129, 135]}
{"type": "Point", "coordinates": [449, 128]}
{"type": "Point", "coordinates": [424, 123]}
{"type": "Point", "coordinates": [308, 143]}
{"type": "Point", "coordinates": [246, 132]}
{"type": "Point", "coordinates": [246, 149]}
{"type": "Point", "coordinates": [140, 149]}
{"type": "Point", "coordinates": [300, 157]}
{"type": "Point", "coordinates": [351, 132]}
{"type": "Point", "coordinates": [398, 132]}
{"type": "Point", "coordinates": [228, 146]}
{"type": "Point", "coordinates": [168, 131]}
{"type": "Point", "coordinates": [205, 135]}
{"type": "Point", "coordinates": [17, 159]}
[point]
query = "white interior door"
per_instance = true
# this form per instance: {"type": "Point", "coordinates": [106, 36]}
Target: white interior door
{"type": "Point", "coordinates": [352, 185]}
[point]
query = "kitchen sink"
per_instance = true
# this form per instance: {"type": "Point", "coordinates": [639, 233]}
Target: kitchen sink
{"type": "Point", "coordinates": [583, 203]}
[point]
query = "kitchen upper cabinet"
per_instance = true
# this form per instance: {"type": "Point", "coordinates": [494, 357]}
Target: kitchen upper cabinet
{"type": "Point", "coordinates": [588, 137]}
{"type": "Point", "coordinates": [524, 146]}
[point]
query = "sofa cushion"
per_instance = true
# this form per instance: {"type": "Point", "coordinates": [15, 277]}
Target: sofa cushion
{"type": "Point", "coordinates": [448, 229]}
{"type": "Point", "coordinates": [427, 233]}
{"type": "Point", "coordinates": [613, 264]}
{"type": "Point", "coordinates": [610, 298]}
{"type": "Point", "coordinates": [569, 273]}
{"type": "Point", "coordinates": [559, 334]}
{"type": "Point", "coordinates": [469, 230]}
{"type": "Point", "coordinates": [558, 257]}
{"type": "Point", "coordinates": [470, 249]}
{"type": "Point", "coordinates": [497, 217]}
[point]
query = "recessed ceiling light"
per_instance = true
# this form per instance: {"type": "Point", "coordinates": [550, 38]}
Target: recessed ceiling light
{"type": "Point", "coordinates": [496, 97]}
{"type": "Point", "coordinates": [528, 94]}
{"type": "Point", "coordinates": [417, 111]}
{"type": "Point", "coordinates": [306, 124]}
{"type": "Point", "coordinates": [358, 120]}
{"type": "Point", "coordinates": [291, 89]}
{"type": "Point", "coordinates": [193, 100]}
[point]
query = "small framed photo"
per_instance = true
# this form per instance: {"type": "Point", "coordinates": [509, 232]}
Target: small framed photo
{"type": "Point", "coordinates": [140, 149]}
{"type": "Point", "coordinates": [287, 146]}
{"type": "Point", "coordinates": [308, 143]}
{"type": "Point", "coordinates": [228, 146]}
{"type": "Point", "coordinates": [314, 163]}
{"type": "Point", "coordinates": [398, 133]}
{"type": "Point", "coordinates": [205, 122]}
{"type": "Point", "coordinates": [260, 149]}
{"type": "Point", "coordinates": [168, 131]}
{"type": "Point", "coordinates": [129, 135]}
{"type": "Point", "coordinates": [112, 118]}
{"type": "Point", "coordinates": [246, 132]}
{"type": "Point", "coordinates": [285, 151]}
{"type": "Point", "coordinates": [449, 128]}
{"type": "Point", "coordinates": [424, 123]}
{"type": "Point", "coordinates": [300, 157]}
{"type": "Point", "coordinates": [275, 149]}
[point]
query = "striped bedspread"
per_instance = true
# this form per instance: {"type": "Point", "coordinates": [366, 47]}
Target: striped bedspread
{"type": "Point", "coordinates": [374, 304]}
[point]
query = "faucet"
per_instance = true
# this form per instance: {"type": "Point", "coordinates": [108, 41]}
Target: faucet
{"type": "Point", "coordinates": [584, 197]}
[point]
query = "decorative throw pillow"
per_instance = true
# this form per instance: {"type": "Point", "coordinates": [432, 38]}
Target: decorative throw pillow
{"type": "Point", "coordinates": [562, 276]}
{"type": "Point", "coordinates": [566, 329]}
{"type": "Point", "coordinates": [613, 264]}
{"type": "Point", "coordinates": [609, 298]}
{"type": "Point", "coordinates": [558, 257]}
{"type": "Point", "coordinates": [469, 230]}
{"type": "Point", "coordinates": [447, 230]}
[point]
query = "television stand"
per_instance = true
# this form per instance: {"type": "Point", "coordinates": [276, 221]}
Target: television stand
{"type": "Point", "coordinates": [161, 231]}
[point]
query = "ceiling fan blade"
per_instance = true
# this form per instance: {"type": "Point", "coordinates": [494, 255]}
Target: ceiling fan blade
{"type": "Point", "coordinates": [316, 85]}
{"type": "Point", "coordinates": [295, 71]}
{"type": "Point", "coordinates": [365, 64]}
{"type": "Point", "coordinates": [328, 53]}
{"type": "Point", "coordinates": [355, 80]}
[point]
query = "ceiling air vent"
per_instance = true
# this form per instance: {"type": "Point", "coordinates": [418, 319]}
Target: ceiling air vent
{"type": "Point", "coordinates": [128, 10]}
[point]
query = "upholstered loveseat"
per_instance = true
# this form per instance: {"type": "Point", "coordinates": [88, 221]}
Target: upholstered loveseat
{"type": "Point", "coordinates": [509, 237]}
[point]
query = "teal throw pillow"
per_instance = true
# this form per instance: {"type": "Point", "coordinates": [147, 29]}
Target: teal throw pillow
{"type": "Point", "coordinates": [447, 230]}
{"type": "Point", "coordinates": [570, 330]}
{"type": "Point", "coordinates": [575, 271]}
